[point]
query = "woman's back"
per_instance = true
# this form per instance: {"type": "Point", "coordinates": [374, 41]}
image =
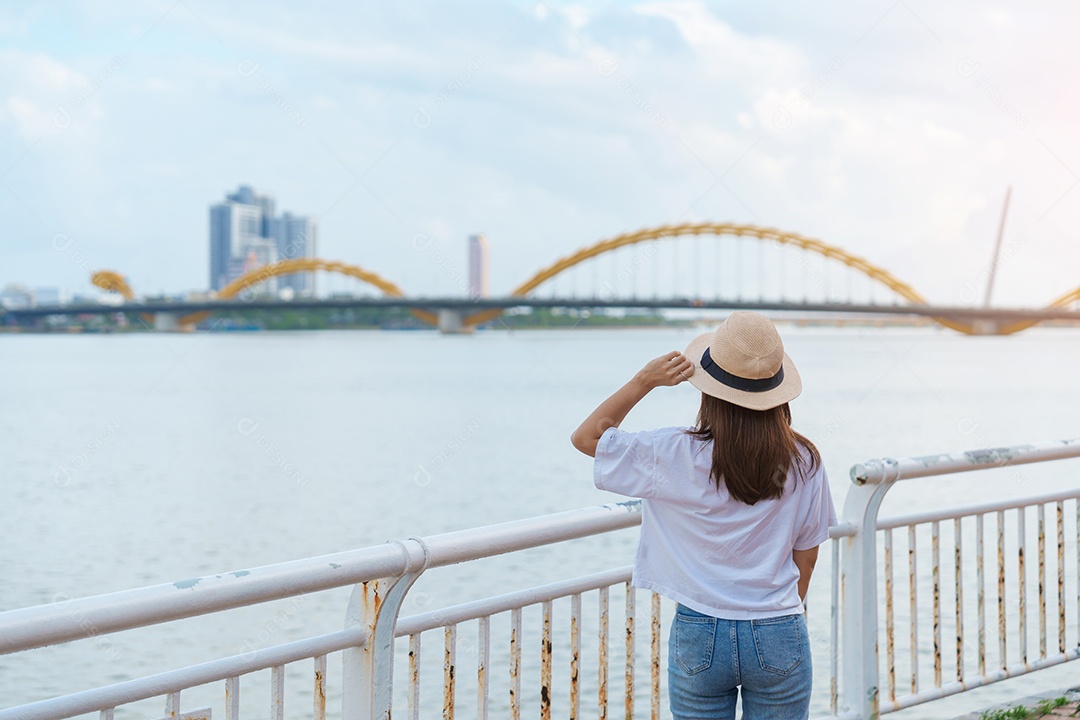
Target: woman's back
{"type": "Point", "coordinates": [699, 545]}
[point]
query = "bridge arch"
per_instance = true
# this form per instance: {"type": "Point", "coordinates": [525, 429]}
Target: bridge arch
{"type": "Point", "coordinates": [864, 266]}
{"type": "Point", "coordinates": [300, 265]}
{"type": "Point", "coordinates": [112, 281]}
{"type": "Point", "coordinates": [1061, 302]}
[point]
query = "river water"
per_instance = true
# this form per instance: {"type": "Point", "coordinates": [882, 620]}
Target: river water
{"type": "Point", "coordinates": [132, 460]}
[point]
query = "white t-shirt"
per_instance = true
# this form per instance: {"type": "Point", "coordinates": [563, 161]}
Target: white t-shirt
{"type": "Point", "coordinates": [698, 545]}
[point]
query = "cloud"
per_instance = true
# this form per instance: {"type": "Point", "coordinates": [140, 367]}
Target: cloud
{"type": "Point", "coordinates": [37, 85]}
{"type": "Point", "coordinates": [723, 52]}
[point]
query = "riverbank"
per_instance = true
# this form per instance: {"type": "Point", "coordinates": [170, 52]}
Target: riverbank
{"type": "Point", "coordinates": [1035, 704]}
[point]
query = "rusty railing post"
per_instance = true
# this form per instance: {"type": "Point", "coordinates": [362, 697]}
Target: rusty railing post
{"type": "Point", "coordinates": [368, 670]}
{"type": "Point", "coordinates": [858, 590]}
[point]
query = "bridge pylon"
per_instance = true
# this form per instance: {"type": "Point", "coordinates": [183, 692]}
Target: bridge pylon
{"type": "Point", "coordinates": [171, 322]}
{"type": "Point", "coordinates": [986, 327]}
{"type": "Point", "coordinates": [452, 322]}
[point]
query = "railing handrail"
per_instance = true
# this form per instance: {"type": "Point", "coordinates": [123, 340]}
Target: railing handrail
{"type": "Point", "coordinates": [874, 472]}
{"type": "Point", "coordinates": [899, 521]}
{"type": "Point", "coordinates": [143, 688]}
{"type": "Point", "coordinates": [415, 624]}
{"type": "Point", "coordinates": [71, 619]}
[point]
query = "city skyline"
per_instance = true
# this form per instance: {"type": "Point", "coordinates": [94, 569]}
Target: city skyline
{"type": "Point", "coordinates": [246, 233]}
{"type": "Point", "coordinates": [890, 131]}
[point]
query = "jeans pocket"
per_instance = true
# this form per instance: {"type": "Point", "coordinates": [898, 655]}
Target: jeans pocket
{"type": "Point", "coordinates": [779, 643]}
{"type": "Point", "coordinates": [694, 638]}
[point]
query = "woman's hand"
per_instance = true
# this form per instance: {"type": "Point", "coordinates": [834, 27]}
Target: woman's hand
{"type": "Point", "coordinates": [670, 369]}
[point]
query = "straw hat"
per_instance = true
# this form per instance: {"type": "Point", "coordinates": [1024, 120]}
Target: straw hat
{"type": "Point", "coordinates": [744, 363]}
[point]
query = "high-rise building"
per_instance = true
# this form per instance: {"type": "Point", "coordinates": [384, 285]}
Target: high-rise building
{"type": "Point", "coordinates": [245, 195]}
{"type": "Point", "coordinates": [295, 236]}
{"type": "Point", "coordinates": [235, 233]}
{"type": "Point", "coordinates": [245, 235]}
{"type": "Point", "coordinates": [478, 266]}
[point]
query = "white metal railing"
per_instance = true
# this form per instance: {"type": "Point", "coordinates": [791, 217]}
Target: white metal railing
{"type": "Point", "coordinates": [862, 592]}
{"type": "Point", "coordinates": [380, 576]}
{"type": "Point", "coordinates": [378, 645]}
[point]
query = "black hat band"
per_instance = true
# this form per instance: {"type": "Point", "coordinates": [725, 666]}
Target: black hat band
{"type": "Point", "coordinates": [740, 383]}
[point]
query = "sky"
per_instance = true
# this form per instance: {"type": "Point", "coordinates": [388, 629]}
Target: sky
{"type": "Point", "coordinates": [890, 129]}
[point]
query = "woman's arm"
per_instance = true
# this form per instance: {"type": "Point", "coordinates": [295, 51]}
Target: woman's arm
{"type": "Point", "coordinates": [805, 561]}
{"type": "Point", "coordinates": [670, 369]}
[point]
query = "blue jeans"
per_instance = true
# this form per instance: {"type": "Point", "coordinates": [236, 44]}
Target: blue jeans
{"type": "Point", "coordinates": [709, 659]}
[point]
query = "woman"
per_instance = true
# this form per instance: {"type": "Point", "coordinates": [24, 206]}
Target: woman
{"type": "Point", "coordinates": [734, 511]}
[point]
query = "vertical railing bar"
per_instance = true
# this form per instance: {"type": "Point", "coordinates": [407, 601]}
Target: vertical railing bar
{"type": "Point", "coordinates": [655, 275]}
{"type": "Point", "coordinates": [719, 267]}
{"type": "Point", "coordinates": [515, 664]}
{"type": "Point", "coordinates": [232, 698]}
{"type": "Point", "coordinates": [980, 591]}
{"type": "Point", "coordinates": [1002, 624]}
{"type": "Point", "coordinates": [654, 693]}
{"type": "Point", "coordinates": [834, 631]}
{"type": "Point", "coordinates": [106, 714]}
{"type": "Point", "coordinates": [449, 670]}
{"type": "Point", "coordinates": [935, 544]}
{"type": "Point", "coordinates": [277, 692]}
{"type": "Point", "coordinates": [414, 676]}
{"type": "Point", "coordinates": [1022, 571]}
{"type": "Point", "coordinates": [575, 655]}
{"type": "Point", "coordinates": [913, 598]}
{"type": "Point", "coordinates": [319, 693]}
{"type": "Point", "coordinates": [483, 659]}
{"type": "Point", "coordinates": [172, 704]}
{"type": "Point", "coordinates": [1041, 513]}
{"type": "Point", "coordinates": [631, 609]}
{"type": "Point", "coordinates": [890, 649]}
{"type": "Point", "coordinates": [958, 553]}
{"type": "Point", "coordinates": [602, 656]}
{"type": "Point", "coordinates": [1061, 574]}
{"type": "Point", "coordinates": [545, 663]}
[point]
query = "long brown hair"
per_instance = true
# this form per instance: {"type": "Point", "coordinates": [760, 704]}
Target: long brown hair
{"type": "Point", "coordinates": [752, 450]}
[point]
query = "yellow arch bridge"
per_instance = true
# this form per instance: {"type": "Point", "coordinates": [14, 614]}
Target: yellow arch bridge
{"type": "Point", "coordinates": [114, 282]}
